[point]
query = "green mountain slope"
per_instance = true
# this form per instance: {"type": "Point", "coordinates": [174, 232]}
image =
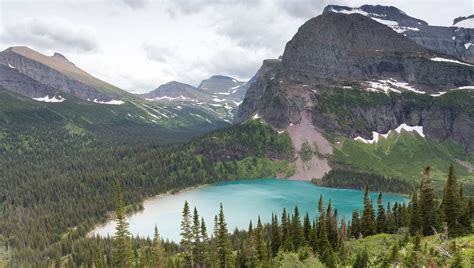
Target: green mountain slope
{"type": "Point", "coordinates": [404, 155]}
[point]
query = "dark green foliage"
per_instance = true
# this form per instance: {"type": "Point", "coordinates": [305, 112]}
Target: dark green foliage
{"type": "Point", "coordinates": [368, 224]}
{"type": "Point", "coordinates": [381, 218]}
{"type": "Point", "coordinates": [427, 205]}
{"type": "Point", "coordinates": [123, 246]}
{"type": "Point", "coordinates": [344, 178]}
{"type": "Point", "coordinates": [415, 215]}
{"type": "Point", "coordinates": [362, 260]}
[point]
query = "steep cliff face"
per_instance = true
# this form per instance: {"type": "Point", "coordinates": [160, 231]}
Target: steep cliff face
{"type": "Point", "coordinates": [456, 40]}
{"type": "Point", "coordinates": [59, 73]}
{"type": "Point", "coordinates": [354, 75]}
{"type": "Point", "coordinates": [17, 82]}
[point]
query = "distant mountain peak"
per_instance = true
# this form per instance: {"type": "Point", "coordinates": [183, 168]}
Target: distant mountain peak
{"type": "Point", "coordinates": [464, 22]}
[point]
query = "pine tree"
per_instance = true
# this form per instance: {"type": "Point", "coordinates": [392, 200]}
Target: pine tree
{"type": "Point", "coordinates": [427, 204]}
{"type": "Point", "coordinates": [451, 203]}
{"type": "Point", "coordinates": [224, 251]}
{"type": "Point", "coordinates": [158, 251]}
{"type": "Point", "coordinates": [307, 229]}
{"type": "Point", "coordinates": [285, 228]}
{"type": "Point", "coordinates": [325, 250]}
{"type": "Point", "coordinates": [361, 260]}
{"type": "Point", "coordinates": [123, 243]}
{"type": "Point", "coordinates": [207, 254]}
{"type": "Point", "coordinates": [415, 220]}
{"type": "Point", "coordinates": [296, 230]}
{"type": "Point", "coordinates": [355, 225]}
{"type": "Point", "coordinates": [196, 243]}
{"type": "Point", "coordinates": [260, 245]}
{"type": "Point", "coordinates": [367, 223]}
{"type": "Point", "coordinates": [250, 253]}
{"type": "Point", "coordinates": [275, 236]}
{"type": "Point", "coordinates": [381, 218]}
{"type": "Point", "coordinates": [187, 235]}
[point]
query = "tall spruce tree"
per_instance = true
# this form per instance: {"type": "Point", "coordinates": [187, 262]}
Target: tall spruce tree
{"type": "Point", "coordinates": [367, 223]}
{"type": "Point", "coordinates": [196, 243]}
{"type": "Point", "coordinates": [224, 250]}
{"type": "Point", "coordinates": [381, 218]}
{"type": "Point", "coordinates": [123, 242]}
{"type": "Point", "coordinates": [415, 220]}
{"type": "Point", "coordinates": [158, 251]}
{"type": "Point", "coordinates": [250, 254]}
{"type": "Point", "coordinates": [286, 243]}
{"type": "Point", "coordinates": [427, 205]}
{"type": "Point", "coordinates": [187, 235]}
{"type": "Point", "coordinates": [296, 230]}
{"type": "Point", "coordinates": [307, 229]}
{"type": "Point", "coordinates": [275, 236]}
{"type": "Point", "coordinates": [260, 245]}
{"type": "Point", "coordinates": [451, 203]}
{"type": "Point", "coordinates": [355, 230]}
{"type": "Point", "coordinates": [206, 249]}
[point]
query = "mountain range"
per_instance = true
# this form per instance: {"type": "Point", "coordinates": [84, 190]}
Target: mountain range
{"type": "Point", "coordinates": [348, 74]}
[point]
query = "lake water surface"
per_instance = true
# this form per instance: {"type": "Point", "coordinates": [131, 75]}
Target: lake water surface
{"type": "Point", "coordinates": [242, 200]}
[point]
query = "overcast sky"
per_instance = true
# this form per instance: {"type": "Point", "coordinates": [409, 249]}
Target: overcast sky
{"type": "Point", "coordinates": [140, 44]}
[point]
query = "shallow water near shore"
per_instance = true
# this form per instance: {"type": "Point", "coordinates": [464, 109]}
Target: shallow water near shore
{"type": "Point", "coordinates": [243, 200]}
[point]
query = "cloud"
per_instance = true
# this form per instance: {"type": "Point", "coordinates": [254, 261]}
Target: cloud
{"type": "Point", "coordinates": [136, 4]}
{"type": "Point", "coordinates": [51, 32]}
{"type": "Point", "coordinates": [303, 8]}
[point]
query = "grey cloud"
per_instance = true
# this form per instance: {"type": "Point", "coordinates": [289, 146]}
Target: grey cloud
{"type": "Point", "coordinates": [303, 8]}
{"type": "Point", "coordinates": [51, 32]}
{"type": "Point", "coordinates": [136, 4]}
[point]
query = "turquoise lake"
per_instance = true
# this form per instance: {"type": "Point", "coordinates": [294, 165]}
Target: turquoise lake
{"type": "Point", "coordinates": [243, 200]}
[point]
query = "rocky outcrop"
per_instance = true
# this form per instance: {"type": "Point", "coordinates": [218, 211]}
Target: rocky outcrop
{"type": "Point", "coordinates": [176, 90]}
{"type": "Point", "coordinates": [455, 40]}
{"type": "Point", "coordinates": [332, 57]}
{"type": "Point", "coordinates": [14, 80]}
{"type": "Point", "coordinates": [59, 73]}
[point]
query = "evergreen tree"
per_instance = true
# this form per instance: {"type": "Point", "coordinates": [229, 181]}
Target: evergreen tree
{"type": "Point", "coordinates": [224, 251]}
{"type": "Point", "coordinates": [123, 244]}
{"type": "Point", "coordinates": [196, 243]}
{"type": "Point", "coordinates": [325, 250]}
{"type": "Point", "coordinates": [250, 254]}
{"type": "Point", "coordinates": [260, 246]}
{"type": "Point", "coordinates": [427, 206]}
{"type": "Point", "coordinates": [285, 228]}
{"type": "Point", "coordinates": [381, 218]}
{"type": "Point", "coordinates": [296, 230]}
{"type": "Point", "coordinates": [355, 225]}
{"type": "Point", "coordinates": [307, 229]}
{"type": "Point", "coordinates": [275, 236]}
{"type": "Point", "coordinates": [158, 251]}
{"type": "Point", "coordinates": [451, 203]}
{"type": "Point", "coordinates": [415, 220]}
{"type": "Point", "coordinates": [367, 223]}
{"type": "Point", "coordinates": [187, 235]}
{"type": "Point", "coordinates": [207, 254]}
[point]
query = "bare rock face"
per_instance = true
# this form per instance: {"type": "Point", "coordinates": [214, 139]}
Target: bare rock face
{"type": "Point", "coordinates": [14, 80]}
{"type": "Point", "coordinates": [334, 54]}
{"type": "Point", "coordinates": [337, 47]}
{"type": "Point", "coordinates": [454, 41]}
{"type": "Point", "coordinates": [26, 61]}
{"type": "Point", "coordinates": [176, 90]}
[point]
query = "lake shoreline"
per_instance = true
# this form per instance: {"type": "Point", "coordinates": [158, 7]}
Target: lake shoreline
{"type": "Point", "coordinates": [248, 199]}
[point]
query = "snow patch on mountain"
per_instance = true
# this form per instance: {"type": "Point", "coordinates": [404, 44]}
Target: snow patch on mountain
{"type": "Point", "coordinates": [438, 59]}
{"type": "Point", "coordinates": [111, 102]}
{"type": "Point", "coordinates": [467, 45]}
{"type": "Point", "coordinates": [376, 136]}
{"type": "Point", "coordinates": [53, 99]}
{"type": "Point", "coordinates": [390, 84]}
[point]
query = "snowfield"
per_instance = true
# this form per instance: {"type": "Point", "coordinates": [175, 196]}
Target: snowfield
{"type": "Point", "coordinates": [52, 99]}
{"type": "Point", "coordinates": [405, 127]}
